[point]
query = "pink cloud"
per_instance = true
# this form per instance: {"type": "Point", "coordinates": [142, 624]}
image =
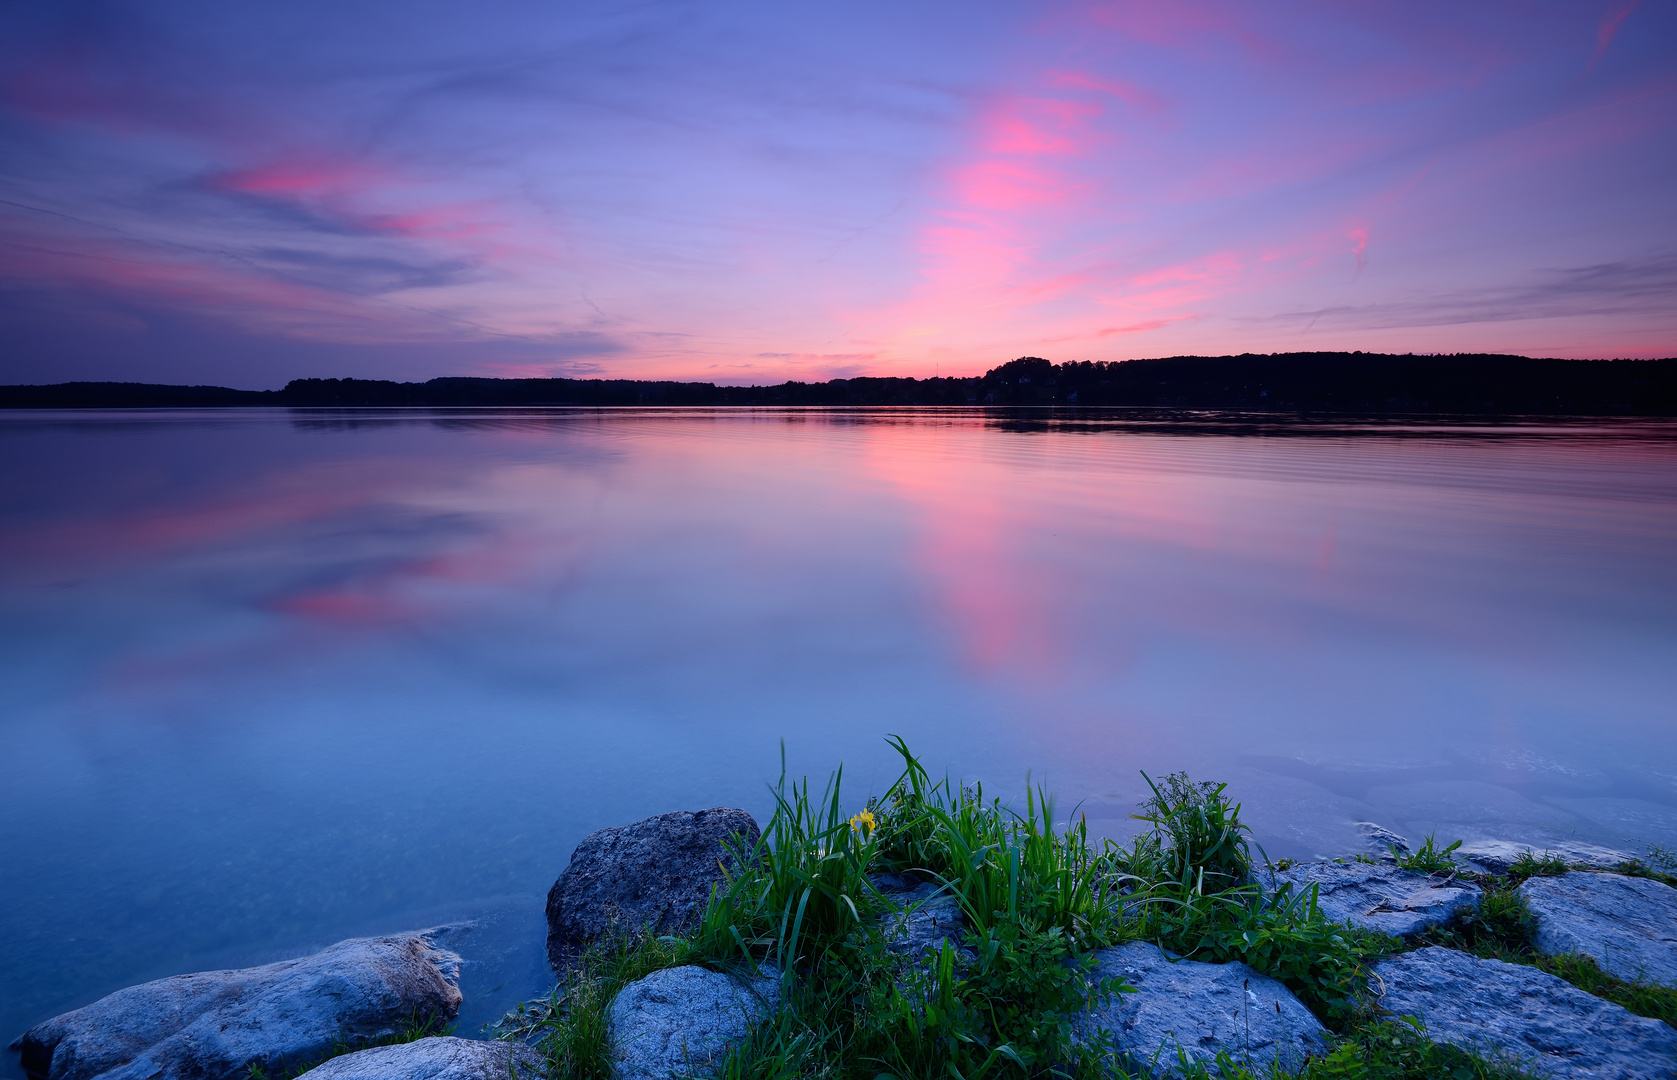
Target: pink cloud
{"type": "Point", "coordinates": [1034, 125]}
{"type": "Point", "coordinates": [208, 288]}
{"type": "Point", "coordinates": [353, 192]}
{"type": "Point", "coordinates": [301, 179]}
{"type": "Point", "coordinates": [1607, 29]}
{"type": "Point", "coordinates": [1359, 244]}
{"type": "Point", "coordinates": [1189, 27]}
{"type": "Point", "coordinates": [1118, 331]}
{"type": "Point", "coordinates": [1125, 91]}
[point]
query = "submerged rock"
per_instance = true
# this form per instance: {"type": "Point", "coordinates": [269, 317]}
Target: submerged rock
{"type": "Point", "coordinates": [1382, 898]}
{"type": "Point", "coordinates": [1499, 856]}
{"type": "Point", "coordinates": [683, 1020]}
{"type": "Point", "coordinates": [1380, 839]}
{"type": "Point", "coordinates": [1548, 1025]}
{"type": "Point", "coordinates": [653, 875]}
{"type": "Point", "coordinates": [1186, 1009]}
{"type": "Point", "coordinates": [214, 1025]}
{"type": "Point", "coordinates": [1628, 925]}
{"type": "Point", "coordinates": [442, 1057]}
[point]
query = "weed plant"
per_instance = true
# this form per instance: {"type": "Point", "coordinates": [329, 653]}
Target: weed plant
{"type": "Point", "coordinates": [1428, 859]}
{"type": "Point", "coordinates": [1197, 833]}
{"type": "Point", "coordinates": [1195, 894]}
{"type": "Point", "coordinates": [803, 885]}
{"type": "Point", "coordinates": [1006, 1003]}
{"type": "Point", "coordinates": [1651, 868]}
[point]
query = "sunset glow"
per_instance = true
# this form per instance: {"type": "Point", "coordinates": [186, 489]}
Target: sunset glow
{"type": "Point", "coordinates": [752, 193]}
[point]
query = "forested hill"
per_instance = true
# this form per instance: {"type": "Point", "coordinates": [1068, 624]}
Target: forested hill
{"type": "Point", "coordinates": [1341, 382]}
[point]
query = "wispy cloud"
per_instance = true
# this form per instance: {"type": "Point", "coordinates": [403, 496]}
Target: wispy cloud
{"type": "Point", "coordinates": [1631, 287]}
{"type": "Point", "coordinates": [761, 191]}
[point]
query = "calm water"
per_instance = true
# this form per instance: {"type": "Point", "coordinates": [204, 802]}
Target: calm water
{"type": "Point", "coordinates": [272, 679]}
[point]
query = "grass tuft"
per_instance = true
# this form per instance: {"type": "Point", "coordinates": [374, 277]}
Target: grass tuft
{"type": "Point", "coordinates": [1427, 859]}
{"type": "Point", "coordinates": [569, 1027]}
{"type": "Point", "coordinates": [1202, 841]}
{"type": "Point", "coordinates": [1529, 865]}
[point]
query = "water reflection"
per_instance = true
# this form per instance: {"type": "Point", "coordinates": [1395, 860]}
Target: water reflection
{"type": "Point", "coordinates": [273, 678]}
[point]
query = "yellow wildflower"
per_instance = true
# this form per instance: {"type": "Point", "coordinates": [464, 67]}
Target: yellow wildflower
{"type": "Point", "coordinates": [863, 823]}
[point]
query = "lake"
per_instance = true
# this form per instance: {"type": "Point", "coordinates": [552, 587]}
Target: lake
{"type": "Point", "coordinates": [272, 679]}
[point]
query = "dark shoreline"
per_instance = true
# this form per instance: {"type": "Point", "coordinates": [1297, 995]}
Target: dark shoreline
{"type": "Point", "coordinates": [1370, 384]}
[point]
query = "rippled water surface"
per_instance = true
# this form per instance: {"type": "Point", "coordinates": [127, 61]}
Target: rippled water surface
{"type": "Point", "coordinates": [272, 679]}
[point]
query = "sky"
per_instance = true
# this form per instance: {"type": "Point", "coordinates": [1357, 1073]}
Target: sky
{"type": "Point", "coordinates": [742, 192]}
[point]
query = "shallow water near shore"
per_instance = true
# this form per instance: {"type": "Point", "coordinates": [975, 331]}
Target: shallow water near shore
{"type": "Point", "coordinates": [274, 678]}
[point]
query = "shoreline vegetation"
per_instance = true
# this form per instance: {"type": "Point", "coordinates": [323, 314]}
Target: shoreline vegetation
{"type": "Point", "coordinates": [1011, 993]}
{"type": "Point", "coordinates": [1362, 383]}
{"type": "Point", "coordinates": [936, 931]}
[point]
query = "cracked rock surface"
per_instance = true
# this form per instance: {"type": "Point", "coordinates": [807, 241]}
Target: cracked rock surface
{"type": "Point", "coordinates": [1380, 897]}
{"type": "Point", "coordinates": [1628, 925]}
{"type": "Point", "coordinates": [1548, 1025]}
{"type": "Point", "coordinates": [683, 1020]}
{"type": "Point", "coordinates": [217, 1024]}
{"type": "Point", "coordinates": [1201, 1010]}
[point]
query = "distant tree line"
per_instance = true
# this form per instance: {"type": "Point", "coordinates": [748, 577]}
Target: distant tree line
{"type": "Point", "coordinates": [1368, 383]}
{"type": "Point", "coordinates": [1347, 382]}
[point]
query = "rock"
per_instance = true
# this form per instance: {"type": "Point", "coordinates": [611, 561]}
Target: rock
{"type": "Point", "coordinates": [930, 916]}
{"type": "Point", "coordinates": [1499, 856]}
{"type": "Point", "coordinates": [1547, 1024]}
{"type": "Point", "coordinates": [1201, 1009]}
{"type": "Point", "coordinates": [653, 875]}
{"type": "Point", "coordinates": [214, 1025]}
{"type": "Point", "coordinates": [684, 1019]}
{"type": "Point", "coordinates": [442, 1057]}
{"type": "Point", "coordinates": [1379, 897]}
{"type": "Point", "coordinates": [1380, 839]}
{"type": "Point", "coordinates": [1627, 924]}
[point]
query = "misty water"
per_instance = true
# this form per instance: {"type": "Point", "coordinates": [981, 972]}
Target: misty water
{"type": "Point", "coordinates": [273, 679]}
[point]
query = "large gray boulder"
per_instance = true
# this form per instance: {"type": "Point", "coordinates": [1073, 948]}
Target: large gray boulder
{"type": "Point", "coordinates": [655, 875]}
{"type": "Point", "coordinates": [1379, 897]}
{"type": "Point", "coordinates": [441, 1057]}
{"type": "Point", "coordinates": [215, 1025]}
{"type": "Point", "coordinates": [1628, 925]}
{"type": "Point", "coordinates": [1548, 1025]}
{"type": "Point", "coordinates": [682, 1020]}
{"type": "Point", "coordinates": [1186, 1009]}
